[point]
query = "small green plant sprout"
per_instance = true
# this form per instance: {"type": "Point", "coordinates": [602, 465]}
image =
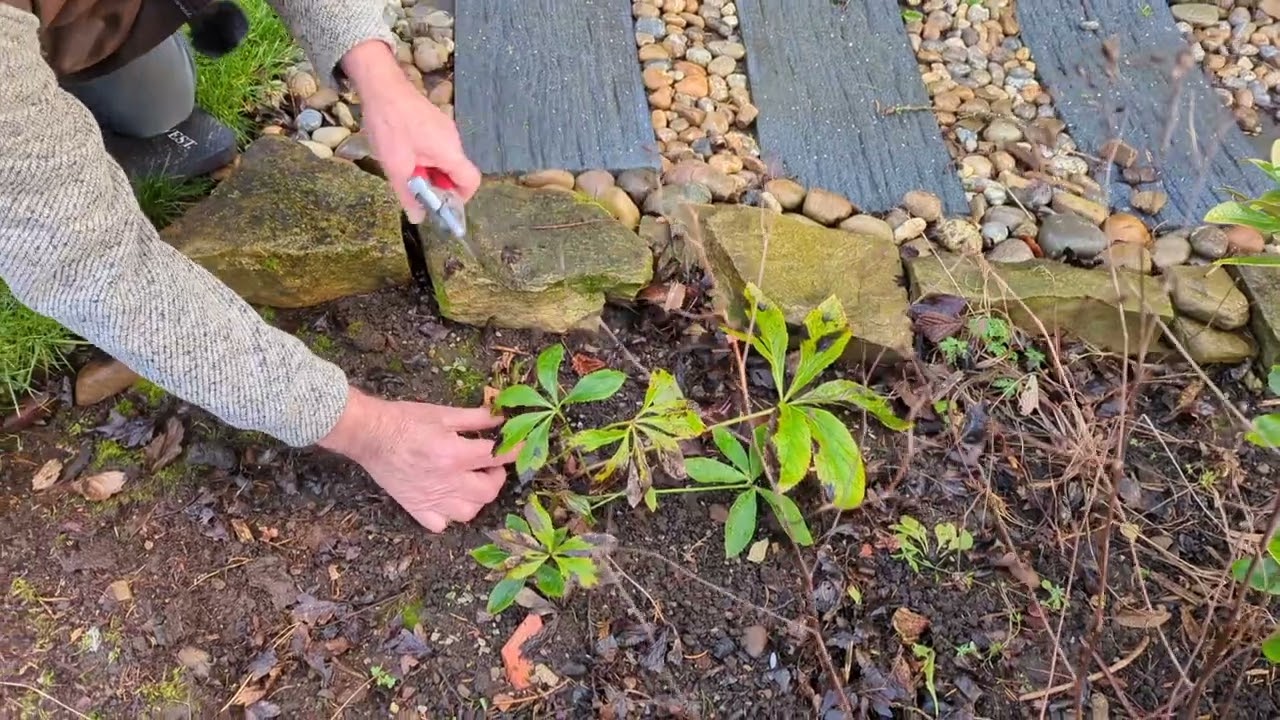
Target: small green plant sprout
{"type": "Point", "coordinates": [929, 668]}
{"type": "Point", "coordinates": [914, 544]}
{"type": "Point", "coordinates": [382, 678]}
{"type": "Point", "coordinates": [993, 333]}
{"type": "Point", "coordinates": [744, 471]}
{"type": "Point", "coordinates": [534, 428]}
{"type": "Point", "coordinates": [802, 417]}
{"type": "Point", "coordinates": [665, 418]}
{"type": "Point", "coordinates": [967, 649]}
{"type": "Point", "coordinates": [1261, 213]}
{"type": "Point", "coordinates": [1057, 600]}
{"type": "Point", "coordinates": [533, 548]}
{"type": "Point", "coordinates": [953, 349]}
{"type": "Point", "coordinates": [1265, 578]}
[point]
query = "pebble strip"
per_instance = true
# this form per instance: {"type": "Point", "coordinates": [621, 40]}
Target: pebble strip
{"type": "Point", "coordinates": [1238, 42]}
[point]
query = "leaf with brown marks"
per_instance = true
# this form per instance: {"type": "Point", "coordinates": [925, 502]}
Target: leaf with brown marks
{"type": "Point", "coordinates": [1029, 398]}
{"type": "Point", "coordinates": [1143, 619]}
{"type": "Point", "coordinates": [120, 591]}
{"type": "Point", "coordinates": [241, 528]}
{"type": "Point", "coordinates": [909, 625]}
{"type": "Point", "coordinates": [101, 486]}
{"type": "Point", "coordinates": [490, 394]}
{"type": "Point", "coordinates": [937, 317]}
{"type": "Point", "coordinates": [1020, 571]}
{"type": "Point", "coordinates": [586, 364]}
{"type": "Point", "coordinates": [165, 447]}
{"type": "Point", "coordinates": [47, 475]}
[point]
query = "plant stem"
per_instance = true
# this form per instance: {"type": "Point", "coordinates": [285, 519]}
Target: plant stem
{"type": "Point", "coordinates": [742, 418]}
{"type": "Point", "coordinates": [606, 499]}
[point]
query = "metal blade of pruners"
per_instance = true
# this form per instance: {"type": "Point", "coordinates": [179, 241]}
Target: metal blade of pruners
{"type": "Point", "coordinates": [437, 193]}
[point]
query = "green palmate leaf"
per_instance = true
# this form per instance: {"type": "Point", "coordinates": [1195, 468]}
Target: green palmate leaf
{"type": "Point", "coordinates": [732, 449]}
{"type": "Point", "coordinates": [1266, 431]}
{"type": "Point", "coordinates": [839, 461]}
{"type": "Point", "coordinates": [575, 547]}
{"type": "Point", "coordinates": [1273, 548]}
{"type": "Point", "coordinates": [712, 472]}
{"type": "Point", "coordinates": [520, 396]}
{"type": "Point", "coordinates": [519, 427]}
{"type": "Point", "coordinates": [518, 524]}
{"type": "Point", "coordinates": [597, 438]}
{"type": "Point", "coordinates": [680, 425]}
{"type": "Point", "coordinates": [536, 448]}
{"type": "Point", "coordinates": [621, 456]}
{"type": "Point", "coordinates": [549, 362]}
{"type": "Point", "coordinates": [848, 392]}
{"type": "Point", "coordinates": [1250, 260]}
{"type": "Point", "coordinates": [549, 581]}
{"type": "Point", "coordinates": [540, 522]}
{"type": "Point", "coordinates": [582, 568]}
{"type": "Point", "coordinates": [663, 392]}
{"type": "Point", "coordinates": [826, 335]}
{"type": "Point", "coordinates": [490, 556]}
{"type": "Point", "coordinates": [1273, 380]}
{"type": "Point", "coordinates": [760, 438]}
{"type": "Point", "coordinates": [1237, 213]}
{"type": "Point", "coordinates": [651, 499]}
{"type": "Point", "coordinates": [771, 331]}
{"type": "Point", "coordinates": [794, 446]}
{"type": "Point", "coordinates": [785, 509]}
{"type": "Point", "coordinates": [1265, 576]}
{"type": "Point", "coordinates": [528, 567]}
{"type": "Point", "coordinates": [740, 527]}
{"type": "Point", "coordinates": [596, 386]}
{"type": "Point", "coordinates": [1271, 648]}
{"type": "Point", "coordinates": [503, 594]}
{"type": "Point", "coordinates": [580, 504]}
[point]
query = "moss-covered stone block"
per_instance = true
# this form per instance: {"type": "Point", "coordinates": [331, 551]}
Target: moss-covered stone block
{"type": "Point", "coordinates": [546, 259]}
{"type": "Point", "coordinates": [1085, 304]}
{"type": "Point", "coordinates": [289, 229]}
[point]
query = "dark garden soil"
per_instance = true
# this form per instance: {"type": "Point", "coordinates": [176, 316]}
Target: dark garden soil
{"type": "Point", "coordinates": [273, 579]}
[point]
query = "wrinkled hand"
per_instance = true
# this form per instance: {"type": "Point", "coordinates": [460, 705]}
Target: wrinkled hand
{"type": "Point", "coordinates": [415, 452]}
{"type": "Point", "coordinates": [405, 129]}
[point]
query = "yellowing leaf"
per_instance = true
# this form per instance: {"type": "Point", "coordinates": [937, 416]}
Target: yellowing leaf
{"type": "Point", "coordinates": [794, 446]}
{"type": "Point", "coordinates": [1143, 619]}
{"type": "Point", "coordinates": [758, 552]}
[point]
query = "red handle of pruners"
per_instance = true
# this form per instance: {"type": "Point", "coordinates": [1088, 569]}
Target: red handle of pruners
{"type": "Point", "coordinates": [434, 176]}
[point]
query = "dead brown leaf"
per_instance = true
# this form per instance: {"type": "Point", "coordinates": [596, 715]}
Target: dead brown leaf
{"type": "Point", "coordinates": [165, 447]}
{"type": "Point", "coordinates": [120, 591]}
{"type": "Point", "coordinates": [490, 395]}
{"type": "Point", "coordinates": [909, 625]}
{"type": "Point", "coordinates": [1142, 619]}
{"type": "Point", "coordinates": [1020, 571]}
{"type": "Point", "coordinates": [47, 475]}
{"type": "Point", "coordinates": [241, 528]}
{"type": "Point", "coordinates": [1029, 399]}
{"type": "Point", "coordinates": [586, 364]}
{"type": "Point", "coordinates": [97, 488]}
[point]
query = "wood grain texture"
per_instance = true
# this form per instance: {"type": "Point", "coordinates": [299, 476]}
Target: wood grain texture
{"type": "Point", "coordinates": [1178, 126]}
{"type": "Point", "coordinates": [821, 74]}
{"type": "Point", "coordinates": [550, 84]}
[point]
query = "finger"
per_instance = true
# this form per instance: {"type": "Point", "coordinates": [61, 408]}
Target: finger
{"type": "Point", "coordinates": [466, 419]}
{"type": "Point", "coordinates": [412, 208]}
{"type": "Point", "coordinates": [481, 486]}
{"type": "Point", "coordinates": [477, 454]}
{"type": "Point", "coordinates": [464, 174]}
{"type": "Point", "coordinates": [463, 511]}
{"type": "Point", "coordinates": [399, 168]}
{"type": "Point", "coordinates": [431, 520]}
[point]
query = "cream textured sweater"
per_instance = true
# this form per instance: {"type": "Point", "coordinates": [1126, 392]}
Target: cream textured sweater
{"type": "Point", "coordinates": [75, 246]}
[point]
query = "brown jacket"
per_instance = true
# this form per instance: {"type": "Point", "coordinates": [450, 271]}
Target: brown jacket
{"type": "Point", "coordinates": [86, 38]}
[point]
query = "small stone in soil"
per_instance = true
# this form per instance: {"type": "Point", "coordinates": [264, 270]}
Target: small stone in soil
{"type": "Point", "coordinates": [548, 178]}
{"type": "Point", "coordinates": [309, 120]}
{"type": "Point", "coordinates": [1209, 241]}
{"type": "Point", "coordinates": [788, 192]}
{"type": "Point", "coordinates": [867, 225]}
{"type": "Point", "coordinates": [1150, 202]}
{"type": "Point", "coordinates": [994, 233]}
{"type": "Point", "coordinates": [331, 137]}
{"type": "Point", "coordinates": [754, 640]}
{"type": "Point", "coordinates": [319, 149]}
{"type": "Point", "coordinates": [924, 205]}
{"type": "Point", "coordinates": [638, 183]}
{"type": "Point", "coordinates": [826, 207]}
{"type": "Point", "coordinates": [1125, 228]}
{"type": "Point", "coordinates": [1127, 256]}
{"type": "Point", "coordinates": [1245, 240]}
{"type": "Point", "coordinates": [1170, 251]}
{"type": "Point", "coordinates": [1012, 250]}
{"type": "Point", "coordinates": [959, 236]}
{"type": "Point", "coordinates": [593, 183]}
{"type": "Point", "coordinates": [911, 228]}
{"type": "Point", "coordinates": [1066, 231]}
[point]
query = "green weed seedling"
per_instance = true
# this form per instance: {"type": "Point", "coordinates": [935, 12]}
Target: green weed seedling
{"type": "Point", "coordinates": [534, 428]}
{"type": "Point", "coordinates": [929, 668]}
{"type": "Point", "coordinates": [531, 547]}
{"type": "Point", "coordinates": [382, 678]}
{"type": "Point", "coordinates": [1265, 578]}
{"type": "Point", "coordinates": [916, 549]}
{"type": "Point", "coordinates": [1057, 600]}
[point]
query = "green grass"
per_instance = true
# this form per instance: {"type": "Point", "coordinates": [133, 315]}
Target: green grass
{"type": "Point", "coordinates": [32, 344]}
{"type": "Point", "coordinates": [163, 200]}
{"type": "Point", "coordinates": [230, 88]}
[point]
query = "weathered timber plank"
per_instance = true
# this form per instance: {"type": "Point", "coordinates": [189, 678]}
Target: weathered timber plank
{"type": "Point", "coordinates": [550, 84]}
{"type": "Point", "coordinates": [1178, 126]}
{"type": "Point", "coordinates": [822, 74]}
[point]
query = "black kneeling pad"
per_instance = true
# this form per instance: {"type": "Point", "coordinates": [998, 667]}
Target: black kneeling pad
{"type": "Point", "coordinates": [197, 147]}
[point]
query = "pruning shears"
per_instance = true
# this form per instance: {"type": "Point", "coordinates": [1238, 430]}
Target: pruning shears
{"type": "Point", "coordinates": [437, 193]}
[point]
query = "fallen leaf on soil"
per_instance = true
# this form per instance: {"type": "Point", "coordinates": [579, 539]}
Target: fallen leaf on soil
{"type": "Point", "coordinates": [585, 364]}
{"type": "Point", "coordinates": [263, 664]}
{"type": "Point", "coordinates": [1143, 619]}
{"type": "Point", "coordinates": [544, 676]}
{"type": "Point", "coordinates": [47, 475]}
{"type": "Point", "coordinates": [937, 317]}
{"type": "Point", "coordinates": [519, 669]}
{"type": "Point", "coordinates": [1020, 571]}
{"type": "Point", "coordinates": [758, 552]}
{"type": "Point", "coordinates": [902, 673]}
{"type": "Point", "coordinates": [1029, 399]}
{"type": "Point", "coordinates": [130, 433]}
{"type": "Point", "coordinates": [262, 710]}
{"type": "Point", "coordinates": [195, 660]}
{"type": "Point", "coordinates": [503, 702]}
{"type": "Point", "coordinates": [101, 486]}
{"type": "Point", "coordinates": [30, 411]}
{"type": "Point", "coordinates": [167, 446]}
{"type": "Point", "coordinates": [909, 625]}
{"type": "Point", "coordinates": [242, 531]}
{"type": "Point", "coordinates": [120, 591]}
{"type": "Point", "coordinates": [312, 611]}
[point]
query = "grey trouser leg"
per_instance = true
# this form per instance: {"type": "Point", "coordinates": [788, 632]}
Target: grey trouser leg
{"type": "Point", "coordinates": [147, 97]}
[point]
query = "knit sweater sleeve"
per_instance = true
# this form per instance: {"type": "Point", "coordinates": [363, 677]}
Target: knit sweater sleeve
{"type": "Point", "coordinates": [76, 247]}
{"type": "Point", "coordinates": [327, 29]}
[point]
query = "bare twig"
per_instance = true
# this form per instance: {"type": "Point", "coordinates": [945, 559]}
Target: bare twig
{"type": "Point", "coordinates": [1123, 663]}
{"type": "Point", "coordinates": [46, 696]}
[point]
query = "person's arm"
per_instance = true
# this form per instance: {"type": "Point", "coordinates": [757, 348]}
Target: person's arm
{"type": "Point", "coordinates": [328, 29]}
{"type": "Point", "coordinates": [75, 246]}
